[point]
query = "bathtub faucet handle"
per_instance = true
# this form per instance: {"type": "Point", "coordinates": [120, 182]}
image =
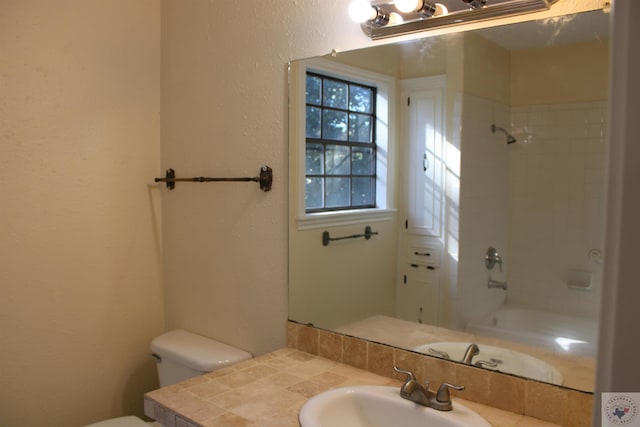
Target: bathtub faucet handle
{"type": "Point", "coordinates": [491, 258]}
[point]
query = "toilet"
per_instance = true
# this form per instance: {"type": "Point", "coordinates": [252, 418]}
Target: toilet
{"type": "Point", "coordinates": [181, 355]}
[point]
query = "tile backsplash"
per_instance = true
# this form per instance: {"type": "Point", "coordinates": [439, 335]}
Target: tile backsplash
{"type": "Point", "coordinates": [546, 402]}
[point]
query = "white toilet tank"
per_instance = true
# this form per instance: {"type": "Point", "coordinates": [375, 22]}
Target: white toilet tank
{"type": "Point", "coordinates": [182, 355]}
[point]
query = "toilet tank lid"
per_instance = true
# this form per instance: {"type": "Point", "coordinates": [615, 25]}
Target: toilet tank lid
{"type": "Point", "coordinates": [195, 351]}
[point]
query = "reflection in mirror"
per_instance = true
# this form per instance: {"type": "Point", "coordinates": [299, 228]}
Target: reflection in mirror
{"type": "Point", "coordinates": [489, 198]}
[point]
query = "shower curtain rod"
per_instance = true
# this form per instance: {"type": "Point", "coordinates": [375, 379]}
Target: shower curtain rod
{"type": "Point", "coordinates": [264, 179]}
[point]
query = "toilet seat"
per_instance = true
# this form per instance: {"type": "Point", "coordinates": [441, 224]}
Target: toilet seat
{"type": "Point", "coordinates": [130, 421]}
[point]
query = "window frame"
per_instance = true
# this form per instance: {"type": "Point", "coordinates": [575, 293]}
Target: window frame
{"type": "Point", "coordinates": [327, 143]}
{"type": "Point", "coordinates": [385, 152]}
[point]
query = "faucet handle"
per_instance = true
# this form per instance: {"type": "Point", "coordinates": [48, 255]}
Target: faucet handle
{"type": "Point", "coordinates": [443, 392]}
{"type": "Point", "coordinates": [410, 383]}
{"type": "Point", "coordinates": [409, 374]}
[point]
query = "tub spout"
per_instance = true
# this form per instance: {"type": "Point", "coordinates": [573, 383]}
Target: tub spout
{"type": "Point", "coordinates": [496, 284]}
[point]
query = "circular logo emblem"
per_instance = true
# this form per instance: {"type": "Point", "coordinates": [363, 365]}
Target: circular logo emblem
{"type": "Point", "coordinates": [621, 410]}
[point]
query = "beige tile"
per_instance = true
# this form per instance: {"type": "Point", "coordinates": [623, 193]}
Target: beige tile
{"type": "Point", "coordinates": [579, 409]}
{"type": "Point", "coordinates": [299, 356]}
{"type": "Point", "coordinates": [438, 371]}
{"type": "Point", "coordinates": [475, 382]}
{"type": "Point", "coordinates": [227, 420]}
{"type": "Point", "coordinates": [209, 389]}
{"type": "Point", "coordinates": [308, 339]}
{"type": "Point", "coordinates": [409, 362]}
{"type": "Point", "coordinates": [330, 379]}
{"type": "Point", "coordinates": [506, 392]}
{"type": "Point", "coordinates": [308, 389]}
{"type": "Point", "coordinates": [268, 404]}
{"type": "Point", "coordinates": [236, 379]}
{"type": "Point", "coordinates": [532, 422]}
{"type": "Point", "coordinates": [203, 411]}
{"type": "Point", "coordinates": [380, 359]}
{"type": "Point", "coordinates": [354, 352]}
{"type": "Point", "coordinates": [282, 379]}
{"type": "Point", "coordinates": [546, 402]}
{"type": "Point", "coordinates": [292, 335]}
{"type": "Point", "coordinates": [313, 367]}
{"type": "Point", "coordinates": [330, 346]}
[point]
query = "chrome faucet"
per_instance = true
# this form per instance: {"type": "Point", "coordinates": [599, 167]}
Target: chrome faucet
{"type": "Point", "coordinates": [413, 391]}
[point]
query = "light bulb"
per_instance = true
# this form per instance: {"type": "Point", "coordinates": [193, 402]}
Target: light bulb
{"type": "Point", "coordinates": [361, 11]}
{"type": "Point", "coordinates": [395, 19]}
{"type": "Point", "coordinates": [441, 10]}
{"type": "Point", "coordinates": [408, 6]}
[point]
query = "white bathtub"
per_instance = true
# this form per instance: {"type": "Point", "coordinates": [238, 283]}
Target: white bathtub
{"type": "Point", "coordinates": [557, 332]}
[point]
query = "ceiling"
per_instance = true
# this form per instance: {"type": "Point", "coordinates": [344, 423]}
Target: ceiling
{"type": "Point", "coordinates": [576, 28]}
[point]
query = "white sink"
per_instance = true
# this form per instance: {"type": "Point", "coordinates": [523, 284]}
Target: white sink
{"type": "Point", "coordinates": [508, 361]}
{"type": "Point", "coordinates": [376, 406]}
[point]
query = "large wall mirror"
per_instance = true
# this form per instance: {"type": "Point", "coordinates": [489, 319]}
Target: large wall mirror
{"type": "Point", "coordinates": [479, 159]}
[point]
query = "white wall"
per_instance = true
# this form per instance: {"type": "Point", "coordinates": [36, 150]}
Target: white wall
{"type": "Point", "coordinates": [80, 282]}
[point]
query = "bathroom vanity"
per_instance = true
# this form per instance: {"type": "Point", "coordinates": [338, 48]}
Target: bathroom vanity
{"type": "Point", "coordinates": [270, 390]}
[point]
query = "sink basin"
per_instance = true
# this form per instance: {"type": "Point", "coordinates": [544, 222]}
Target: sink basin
{"type": "Point", "coordinates": [508, 361]}
{"type": "Point", "coordinates": [377, 406]}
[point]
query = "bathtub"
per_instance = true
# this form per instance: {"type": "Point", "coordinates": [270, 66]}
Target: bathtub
{"type": "Point", "coordinates": [557, 332]}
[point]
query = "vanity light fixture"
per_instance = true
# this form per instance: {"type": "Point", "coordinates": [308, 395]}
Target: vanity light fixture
{"type": "Point", "coordinates": [387, 18]}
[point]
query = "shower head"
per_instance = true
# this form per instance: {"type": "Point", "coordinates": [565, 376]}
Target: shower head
{"type": "Point", "coordinates": [510, 138]}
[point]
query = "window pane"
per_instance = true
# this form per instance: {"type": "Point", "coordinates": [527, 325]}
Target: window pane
{"type": "Point", "coordinates": [362, 161]}
{"type": "Point", "coordinates": [359, 128]}
{"type": "Point", "coordinates": [314, 159]}
{"type": "Point", "coordinates": [340, 153]}
{"type": "Point", "coordinates": [337, 160]}
{"type": "Point", "coordinates": [313, 122]}
{"type": "Point", "coordinates": [314, 90]}
{"type": "Point", "coordinates": [362, 192]}
{"type": "Point", "coordinates": [334, 125]}
{"type": "Point", "coordinates": [313, 193]}
{"type": "Point", "coordinates": [360, 99]}
{"type": "Point", "coordinates": [335, 94]}
{"type": "Point", "coordinates": [337, 192]}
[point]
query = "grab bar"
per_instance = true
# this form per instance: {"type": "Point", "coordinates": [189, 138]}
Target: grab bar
{"type": "Point", "coordinates": [265, 179]}
{"type": "Point", "coordinates": [326, 238]}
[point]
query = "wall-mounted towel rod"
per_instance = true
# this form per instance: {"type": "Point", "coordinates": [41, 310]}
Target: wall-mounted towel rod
{"type": "Point", "coordinates": [265, 179]}
{"type": "Point", "coordinates": [326, 238]}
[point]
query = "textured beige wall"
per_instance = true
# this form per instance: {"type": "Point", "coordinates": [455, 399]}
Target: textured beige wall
{"type": "Point", "coordinates": [80, 282]}
{"type": "Point", "coordinates": [580, 73]}
{"type": "Point", "coordinates": [487, 70]}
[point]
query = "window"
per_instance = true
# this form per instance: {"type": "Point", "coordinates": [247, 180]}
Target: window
{"type": "Point", "coordinates": [340, 149]}
{"type": "Point", "coordinates": [350, 163]}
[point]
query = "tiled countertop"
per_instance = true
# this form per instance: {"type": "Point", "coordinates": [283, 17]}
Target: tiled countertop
{"type": "Point", "coordinates": [269, 391]}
